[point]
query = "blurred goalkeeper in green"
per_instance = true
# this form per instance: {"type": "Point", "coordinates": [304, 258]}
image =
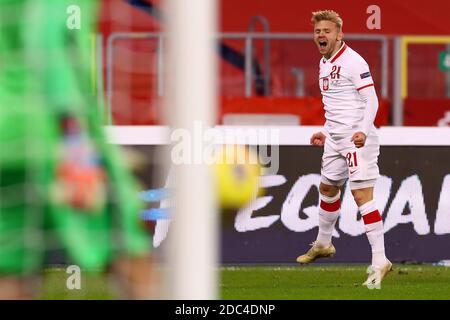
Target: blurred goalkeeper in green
{"type": "Point", "coordinates": [61, 184]}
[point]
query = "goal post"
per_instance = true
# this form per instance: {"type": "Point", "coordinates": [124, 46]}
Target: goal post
{"type": "Point", "coordinates": [191, 99]}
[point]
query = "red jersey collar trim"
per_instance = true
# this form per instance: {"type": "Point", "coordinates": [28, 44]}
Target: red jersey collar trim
{"type": "Point", "coordinates": [337, 54]}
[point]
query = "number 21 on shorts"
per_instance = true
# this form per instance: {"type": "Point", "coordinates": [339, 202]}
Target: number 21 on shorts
{"type": "Point", "coordinates": [352, 160]}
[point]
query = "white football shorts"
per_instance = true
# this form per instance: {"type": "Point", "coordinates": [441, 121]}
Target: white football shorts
{"type": "Point", "coordinates": [341, 160]}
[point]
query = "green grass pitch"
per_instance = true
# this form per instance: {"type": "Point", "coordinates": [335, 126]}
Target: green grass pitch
{"type": "Point", "coordinates": [334, 282]}
{"type": "Point", "coordinates": [288, 283]}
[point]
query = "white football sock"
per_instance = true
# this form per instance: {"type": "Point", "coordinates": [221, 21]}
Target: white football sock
{"type": "Point", "coordinates": [374, 230]}
{"type": "Point", "coordinates": [329, 210]}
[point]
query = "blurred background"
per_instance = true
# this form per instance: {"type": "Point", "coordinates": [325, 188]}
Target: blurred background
{"type": "Point", "coordinates": [268, 62]}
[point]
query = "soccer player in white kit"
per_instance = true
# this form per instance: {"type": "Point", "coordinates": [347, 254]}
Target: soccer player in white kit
{"type": "Point", "coordinates": [350, 141]}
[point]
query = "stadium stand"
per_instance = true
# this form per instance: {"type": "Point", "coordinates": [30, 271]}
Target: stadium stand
{"type": "Point", "coordinates": [292, 81]}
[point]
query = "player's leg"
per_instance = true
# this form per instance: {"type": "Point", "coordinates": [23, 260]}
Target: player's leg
{"type": "Point", "coordinates": [333, 176]}
{"type": "Point", "coordinates": [363, 172]}
{"type": "Point", "coordinates": [373, 223]}
{"type": "Point", "coordinates": [329, 210]}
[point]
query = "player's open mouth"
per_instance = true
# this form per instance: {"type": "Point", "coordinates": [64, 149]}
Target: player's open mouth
{"type": "Point", "coordinates": [322, 45]}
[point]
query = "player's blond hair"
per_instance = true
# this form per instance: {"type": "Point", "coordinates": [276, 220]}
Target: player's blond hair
{"type": "Point", "coordinates": [328, 15]}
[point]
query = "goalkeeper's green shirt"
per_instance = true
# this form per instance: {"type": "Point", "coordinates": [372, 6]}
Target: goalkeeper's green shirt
{"type": "Point", "coordinates": [38, 79]}
{"type": "Point", "coordinates": [45, 72]}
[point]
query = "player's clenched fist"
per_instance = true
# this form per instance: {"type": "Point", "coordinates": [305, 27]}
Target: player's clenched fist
{"type": "Point", "coordinates": [317, 139]}
{"type": "Point", "coordinates": [359, 139]}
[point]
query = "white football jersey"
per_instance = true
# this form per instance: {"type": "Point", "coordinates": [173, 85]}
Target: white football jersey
{"type": "Point", "coordinates": [340, 79]}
